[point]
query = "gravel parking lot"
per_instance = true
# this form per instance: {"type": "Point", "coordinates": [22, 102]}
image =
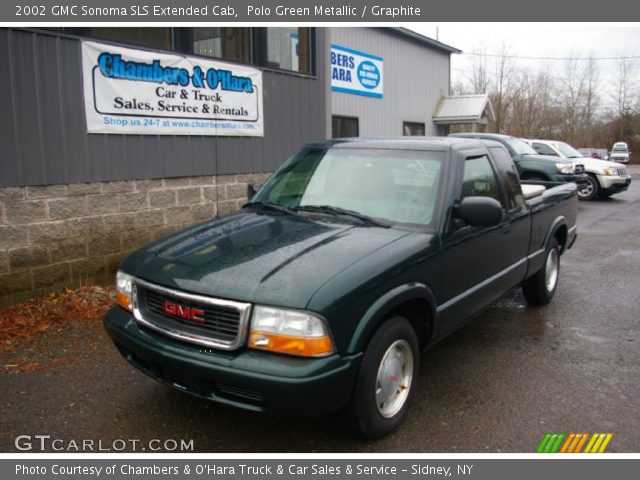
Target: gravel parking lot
{"type": "Point", "coordinates": [497, 385]}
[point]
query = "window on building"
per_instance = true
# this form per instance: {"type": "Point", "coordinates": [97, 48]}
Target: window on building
{"type": "Point", "coordinates": [344, 127]}
{"type": "Point", "coordinates": [284, 48]}
{"type": "Point", "coordinates": [222, 42]}
{"type": "Point", "coordinates": [148, 37]}
{"type": "Point", "coordinates": [413, 129]}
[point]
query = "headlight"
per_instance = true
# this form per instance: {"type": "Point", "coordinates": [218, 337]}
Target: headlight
{"type": "Point", "coordinates": [564, 168]}
{"type": "Point", "coordinates": [124, 286]}
{"type": "Point", "coordinates": [289, 331]}
{"type": "Point", "coordinates": [612, 171]}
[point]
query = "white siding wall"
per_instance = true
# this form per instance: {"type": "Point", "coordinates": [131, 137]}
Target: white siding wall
{"type": "Point", "coordinates": [415, 77]}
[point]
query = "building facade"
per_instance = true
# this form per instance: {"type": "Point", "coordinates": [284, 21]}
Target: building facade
{"type": "Point", "coordinates": [415, 73]}
{"type": "Point", "coordinates": [76, 198]}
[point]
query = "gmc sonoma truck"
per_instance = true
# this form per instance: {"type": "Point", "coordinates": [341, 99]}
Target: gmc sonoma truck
{"type": "Point", "coordinates": [322, 291]}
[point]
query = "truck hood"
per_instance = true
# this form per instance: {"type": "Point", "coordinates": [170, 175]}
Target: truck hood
{"type": "Point", "coordinates": [595, 164]}
{"type": "Point", "coordinates": [268, 258]}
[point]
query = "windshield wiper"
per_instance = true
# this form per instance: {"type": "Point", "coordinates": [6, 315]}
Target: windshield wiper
{"type": "Point", "coordinates": [271, 206]}
{"type": "Point", "coordinates": [343, 211]}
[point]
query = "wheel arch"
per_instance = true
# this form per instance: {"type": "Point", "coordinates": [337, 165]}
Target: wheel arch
{"type": "Point", "coordinates": [559, 230]}
{"type": "Point", "coordinates": [414, 301]}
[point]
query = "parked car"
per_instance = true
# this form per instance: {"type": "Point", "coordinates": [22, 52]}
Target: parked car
{"type": "Point", "coordinates": [353, 257]}
{"type": "Point", "coordinates": [532, 167]}
{"type": "Point", "coordinates": [605, 178]}
{"type": "Point", "coordinates": [620, 152]}
{"type": "Point", "coordinates": [600, 153]}
{"type": "Point", "coordinates": [604, 153]}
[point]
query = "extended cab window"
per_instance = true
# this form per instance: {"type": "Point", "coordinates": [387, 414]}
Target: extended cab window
{"type": "Point", "coordinates": [510, 180]}
{"type": "Point", "coordinates": [479, 179]}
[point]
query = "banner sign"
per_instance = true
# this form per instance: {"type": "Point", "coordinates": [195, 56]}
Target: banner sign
{"type": "Point", "coordinates": [129, 91]}
{"type": "Point", "coordinates": [356, 72]}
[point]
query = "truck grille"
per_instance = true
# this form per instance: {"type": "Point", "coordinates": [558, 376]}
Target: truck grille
{"type": "Point", "coordinates": [192, 318]}
{"type": "Point", "coordinates": [622, 171]}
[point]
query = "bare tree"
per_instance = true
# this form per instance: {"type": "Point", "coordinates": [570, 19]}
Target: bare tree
{"type": "Point", "coordinates": [479, 75]}
{"type": "Point", "coordinates": [572, 97]}
{"type": "Point", "coordinates": [625, 92]}
{"type": "Point", "coordinates": [502, 91]}
{"type": "Point", "coordinates": [591, 98]}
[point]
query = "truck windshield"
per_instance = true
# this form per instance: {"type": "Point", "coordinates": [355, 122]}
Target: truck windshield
{"type": "Point", "coordinates": [395, 186]}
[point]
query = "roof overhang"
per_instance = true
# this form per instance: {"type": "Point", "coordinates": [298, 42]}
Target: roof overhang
{"type": "Point", "coordinates": [464, 109]}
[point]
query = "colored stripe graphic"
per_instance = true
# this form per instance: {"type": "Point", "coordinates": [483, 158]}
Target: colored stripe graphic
{"type": "Point", "coordinates": [550, 443]}
{"type": "Point", "coordinates": [598, 443]}
{"type": "Point", "coordinates": [574, 443]}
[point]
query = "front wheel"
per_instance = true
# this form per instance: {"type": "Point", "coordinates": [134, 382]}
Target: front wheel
{"type": "Point", "coordinates": [589, 190]}
{"type": "Point", "coordinates": [386, 380]}
{"type": "Point", "coordinates": [540, 288]}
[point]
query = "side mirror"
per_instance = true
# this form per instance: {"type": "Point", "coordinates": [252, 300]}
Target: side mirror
{"type": "Point", "coordinates": [252, 189]}
{"type": "Point", "coordinates": [479, 211]}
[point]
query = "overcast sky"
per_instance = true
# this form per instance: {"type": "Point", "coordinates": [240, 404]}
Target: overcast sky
{"type": "Point", "coordinates": [540, 40]}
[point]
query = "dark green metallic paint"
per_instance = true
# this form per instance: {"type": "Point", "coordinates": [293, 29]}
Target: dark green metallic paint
{"type": "Point", "coordinates": [352, 274]}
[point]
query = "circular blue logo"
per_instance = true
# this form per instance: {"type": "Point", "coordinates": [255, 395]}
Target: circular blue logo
{"type": "Point", "coordinates": [368, 75]}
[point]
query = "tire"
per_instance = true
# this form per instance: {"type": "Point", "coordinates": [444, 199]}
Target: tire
{"type": "Point", "coordinates": [590, 190]}
{"type": "Point", "coordinates": [386, 381]}
{"type": "Point", "coordinates": [540, 288]}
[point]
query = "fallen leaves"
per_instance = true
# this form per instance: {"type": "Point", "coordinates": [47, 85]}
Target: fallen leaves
{"type": "Point", "coordinates": [52, 311]}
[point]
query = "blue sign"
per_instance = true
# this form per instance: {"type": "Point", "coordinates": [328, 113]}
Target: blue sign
{"type": "Point", "coordinates": [356, 72]}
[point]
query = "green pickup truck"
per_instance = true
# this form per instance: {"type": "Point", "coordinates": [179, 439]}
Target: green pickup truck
{"type": "Point", "coordinates": [321, 293]}
{"type": "Point", "coordinates": [533, 167]}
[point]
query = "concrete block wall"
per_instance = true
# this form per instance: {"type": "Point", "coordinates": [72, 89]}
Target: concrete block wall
{"type": "Point", "coordinates": [58, 236]}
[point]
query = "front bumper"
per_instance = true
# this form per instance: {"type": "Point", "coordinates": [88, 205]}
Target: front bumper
{"type": "Point", "coordinates": [609, 184]}
{"type": "Point", "coordinates": [243, 378]}
{"type": "Point", "coordinates": [580, 179]}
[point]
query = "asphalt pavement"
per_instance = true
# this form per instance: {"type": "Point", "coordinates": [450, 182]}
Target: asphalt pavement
{"type": "Point", "coordinates": [497, 385]}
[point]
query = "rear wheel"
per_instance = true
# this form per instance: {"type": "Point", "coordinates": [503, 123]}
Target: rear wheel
{"type": "Point", "coordinates": [540, 288]}
{"type": "Point", "coordinates": [590, 189]}
{"type": "Point", "coordinates": [386, 380]}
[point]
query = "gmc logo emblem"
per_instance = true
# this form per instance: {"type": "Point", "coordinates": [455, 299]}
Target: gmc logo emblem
{"type": "Point", "coordinates": [175, 310]}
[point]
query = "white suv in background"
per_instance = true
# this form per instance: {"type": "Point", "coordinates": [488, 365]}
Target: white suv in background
{"type": "Point", "coordinates": [605, 178]}
{"type": "Point", "coordinates": [620, 152]}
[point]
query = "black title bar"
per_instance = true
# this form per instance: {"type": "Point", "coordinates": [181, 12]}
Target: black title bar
{"type": "Point", "coordinates": [316, 11]}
